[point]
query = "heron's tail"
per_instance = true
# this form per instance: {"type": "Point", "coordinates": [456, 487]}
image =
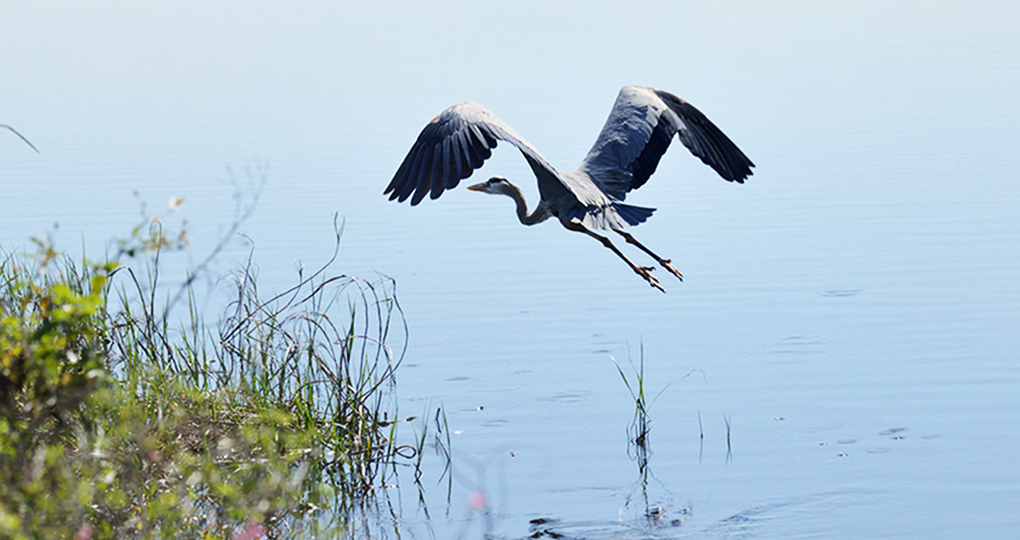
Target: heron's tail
{"type": "Point", "coordinates": [614, 216]}
{"type": "Point", "coordinates": [633, 215]}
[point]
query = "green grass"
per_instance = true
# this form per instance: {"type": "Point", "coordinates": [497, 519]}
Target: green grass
{"type": "Point", "coordinates": [123, 414]}
{"type": "Point", "coordinates": [641, 426]}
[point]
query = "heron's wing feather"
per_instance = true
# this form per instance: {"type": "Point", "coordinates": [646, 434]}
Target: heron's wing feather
{"type": "Point", "coordinates": [707, 141]}
{"type": "Point", "coordinates": [451, 147]}
{"type": "Point", "coordinates": [639, 129]}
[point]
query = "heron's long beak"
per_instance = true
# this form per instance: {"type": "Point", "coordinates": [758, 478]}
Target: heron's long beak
{"type": "Point", "coordinates": [477, 187]}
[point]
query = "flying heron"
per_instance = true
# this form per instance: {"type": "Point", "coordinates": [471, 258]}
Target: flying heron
{"type": "Point", "coordinates": [637, 133]}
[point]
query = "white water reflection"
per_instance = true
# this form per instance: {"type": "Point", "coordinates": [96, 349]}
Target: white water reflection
{"type": "Point", "coordinates": [864, 280]}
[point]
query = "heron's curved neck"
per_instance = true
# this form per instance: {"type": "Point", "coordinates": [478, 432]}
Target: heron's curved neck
{"type": "Point", "coordinates": [540, 214]}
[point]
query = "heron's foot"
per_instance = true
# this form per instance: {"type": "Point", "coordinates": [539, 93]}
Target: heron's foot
{"type": "Point", "coordinates": [669, 266]}
{"type": "Point", "coordinates": [646, 272]}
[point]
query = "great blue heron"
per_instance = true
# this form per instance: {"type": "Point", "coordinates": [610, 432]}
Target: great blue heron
{"type": "Point", "coordinates": [14, 131]}
{"type": "Point", "coordinates": [640, 128]}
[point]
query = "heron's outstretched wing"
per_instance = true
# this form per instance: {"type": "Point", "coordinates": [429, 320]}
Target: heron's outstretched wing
{"type": "Point", "coordinates": [638, 131]}
{"type": "Point", "coordinates": [451, 147]}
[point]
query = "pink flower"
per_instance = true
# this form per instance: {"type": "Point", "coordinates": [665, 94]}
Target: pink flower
{"type": "Point", "coordinates": [251, 531]}
{"type": "Point", "coordinates": [477, 501]}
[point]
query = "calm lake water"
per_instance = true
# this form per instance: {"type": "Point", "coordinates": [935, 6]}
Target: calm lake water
{"type": "Point", "coordinates": [851, 312]}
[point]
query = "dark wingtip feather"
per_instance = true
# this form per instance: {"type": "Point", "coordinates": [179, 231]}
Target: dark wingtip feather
{"type": "Point", "coordinates": [450, 148]}
{"type": "Point", "coordinates": [708, 142]}
{"type": "Point", "coordinates": [429, 176]}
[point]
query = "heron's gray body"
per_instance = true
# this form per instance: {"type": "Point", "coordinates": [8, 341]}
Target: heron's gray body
{"type": "Point", "coordinates": [625, 154]}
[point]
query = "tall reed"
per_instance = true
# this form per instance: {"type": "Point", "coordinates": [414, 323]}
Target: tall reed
{"type": "Point", "coordinates": [124, 415]}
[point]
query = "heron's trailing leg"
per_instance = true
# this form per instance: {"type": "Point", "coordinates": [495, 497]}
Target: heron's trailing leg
{"type": "Point", "coordinates": [643, 271]}
{"type": "Point", "coordinates": [664, 262]}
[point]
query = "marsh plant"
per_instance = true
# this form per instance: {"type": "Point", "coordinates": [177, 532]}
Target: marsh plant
{"type": "Point", "coordinates": [641, 425]}
{"type": "Point", "coordinates": [123, 415]}
{"type": "Point", "coordinates": [22, 137]}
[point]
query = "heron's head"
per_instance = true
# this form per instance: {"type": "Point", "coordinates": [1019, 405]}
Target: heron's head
{"type": "Point", "coordinates": [497, 185]}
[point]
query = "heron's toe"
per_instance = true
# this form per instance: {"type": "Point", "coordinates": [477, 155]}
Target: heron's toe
{"type": "Point", "coordinates": [646, 272]}
{"type": "Point", "coordinates": [669, 266]}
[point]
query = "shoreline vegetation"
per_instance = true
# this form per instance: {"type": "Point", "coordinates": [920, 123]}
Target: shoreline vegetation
{"type": "Point", "coordinates": [124, 415]}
